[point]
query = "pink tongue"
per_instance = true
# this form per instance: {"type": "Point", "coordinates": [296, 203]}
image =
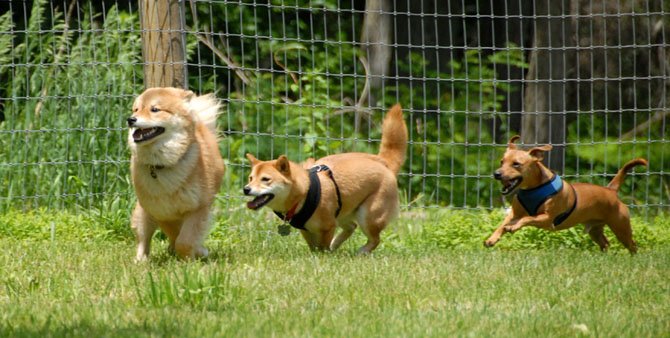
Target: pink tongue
{"type": "Point", "coordinates": [253, 204]}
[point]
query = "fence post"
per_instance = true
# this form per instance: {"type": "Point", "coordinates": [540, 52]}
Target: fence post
{"type": "Point", "coordinates": [548, 94]}
{"type": "Point", "coordinates": [376, 37]}
{"type": "Point", "coordinates": [162, 23]}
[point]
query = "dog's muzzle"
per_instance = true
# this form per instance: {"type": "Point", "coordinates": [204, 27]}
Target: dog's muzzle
{"type": "Point", "coordinates": [259, 200]}
{"type": "Point", "coordinates": [509, 184]}
{"type": "Point", "coordinates": [141, 135]}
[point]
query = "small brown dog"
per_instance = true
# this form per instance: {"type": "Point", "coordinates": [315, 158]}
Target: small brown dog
{"type": "Point", "coordinates": [545, 201]}
{"type": "Point", "coordinates": [176, 168]}
{"type": "Point", "coordinates": [343, 190]}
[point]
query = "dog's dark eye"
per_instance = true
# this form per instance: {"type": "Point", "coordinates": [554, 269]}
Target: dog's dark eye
{"type": "Point", "coordinates": [155, 110]}
{"type": "Point", "coordinates": [265, 179]}
{"type": "Point", "coordinates": [251, 178]}
{"type": "Point", "coordinates": [516, 164]}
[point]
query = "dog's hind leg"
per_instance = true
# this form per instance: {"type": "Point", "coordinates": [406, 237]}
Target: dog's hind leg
{"type": "Point", "coordinates": [144, 228]}
{"type": "Point", "coordinates": [372, 232]}
{"type": "Point", "coordinates": [192, 234]}
{"type": "Point", "coordinates": [344, 234]}
{"type": "Point", "coordinates": [171, 230]}
{"type": "Point", "coordinates": [374, 214]}
{"type": "Point", "coordinates": [597, 235]}
{"type": "Point", "coordinates": [620, 226]}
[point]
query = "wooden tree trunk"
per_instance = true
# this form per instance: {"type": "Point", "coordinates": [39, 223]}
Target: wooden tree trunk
{"type": "Point", "coordinates": [163, 43]}
{"type": "Point", "coordinates": [548, 95]}
{"type": "Point", "coordinates": [376, 38]}
{"type": "Point", "coordinates": [511, 26]}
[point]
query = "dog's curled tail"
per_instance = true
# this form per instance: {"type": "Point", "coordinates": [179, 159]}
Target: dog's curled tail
{"type": "Point", "coordinates": [394, 139]}
{"type": "Point", "coordinates": [206, 107]}
{"type": "Point", "coordinates": [618, 179]}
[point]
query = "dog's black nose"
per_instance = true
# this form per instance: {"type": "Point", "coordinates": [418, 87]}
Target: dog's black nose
{"type": "Point", "coordinates": [246, 190]}
{"type": "Point", "coordinates": [131, 121]}
{"type": "Point", "coordinates": [497, 175]}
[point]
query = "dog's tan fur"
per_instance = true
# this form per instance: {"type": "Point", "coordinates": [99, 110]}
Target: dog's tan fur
{"type": "Point", "coordinates": [596, 205]}
{"type": "Point", "coordinates": [176, 174]}
{"type": "Point", "coordinates": [367, 183]}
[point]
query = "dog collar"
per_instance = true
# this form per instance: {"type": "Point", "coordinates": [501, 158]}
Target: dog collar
{"type": "Point", "coordinates": [291, 212]}
{"type": "Point", "coordinates": [532, 199]}
{"type": "Point", "coordinates": [299, 219]}
{"type": "Point", "coordinates": [153, 168]}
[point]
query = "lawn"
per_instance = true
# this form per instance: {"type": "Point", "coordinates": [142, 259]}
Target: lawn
{"type": "Point", "coordinates": [72, 274]}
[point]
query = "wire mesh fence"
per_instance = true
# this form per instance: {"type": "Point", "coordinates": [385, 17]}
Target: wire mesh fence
{"type": "Point", "coordinates": [311, 78]}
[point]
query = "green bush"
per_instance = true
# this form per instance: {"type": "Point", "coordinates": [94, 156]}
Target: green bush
{"type": "Point", "coordinates": [63, 141]}
{"type": "Point", "coordinates": [460, 229]}
{"type": "Point", "coordinates": [71, 83]}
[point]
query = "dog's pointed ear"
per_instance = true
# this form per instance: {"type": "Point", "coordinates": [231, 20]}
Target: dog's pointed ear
{"type": "Point", "coordinates": [538, 152]}
{"type": "Point", "coordinates": [309, 162]}
{"type": "Point", "coordinates": [188, 95]}
{"type": "Point", "coordinates": [510, 143]}
{"type": "Point", "coordinates": [283, 165]}
{"type": "Point", "coordinates": [252, 159]}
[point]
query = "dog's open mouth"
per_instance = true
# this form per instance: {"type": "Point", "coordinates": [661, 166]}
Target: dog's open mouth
{"type": "Point", "coordinates": [141, 135]}
{"type": "Point", "coordinates": [260, 201]}
{"type": "Point", "coordinates": [510, 185]}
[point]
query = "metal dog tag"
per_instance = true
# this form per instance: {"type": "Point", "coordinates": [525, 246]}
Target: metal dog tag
{"type": "Point", "coordinates": [284, 229]}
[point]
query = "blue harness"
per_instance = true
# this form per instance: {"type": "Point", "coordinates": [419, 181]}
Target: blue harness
{"type": "Point", "coordinates": [532, 199]}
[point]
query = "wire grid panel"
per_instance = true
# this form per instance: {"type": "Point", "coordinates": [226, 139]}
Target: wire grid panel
{"type": "Point", "coordinates": [308, 79]}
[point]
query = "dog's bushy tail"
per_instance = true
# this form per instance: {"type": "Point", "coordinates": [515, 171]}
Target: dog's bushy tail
{"type": "Point", "coordinates": [618, 179]}
{"type": "Point", "coordinates": [394, 139]}
{"type": "Point", "coordinates": [206, 108]}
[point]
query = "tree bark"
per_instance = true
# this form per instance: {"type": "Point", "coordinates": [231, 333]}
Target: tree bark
{"type": "Point", "coordinates": [549, 95]}
{"type": "Point", "coordinates": [163, 43]}
{"type": "Point", "coordinates": [376, 39]}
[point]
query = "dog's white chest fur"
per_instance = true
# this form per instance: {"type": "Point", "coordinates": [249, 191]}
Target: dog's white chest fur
{"type": "Point", "coordinates": [167, 193]}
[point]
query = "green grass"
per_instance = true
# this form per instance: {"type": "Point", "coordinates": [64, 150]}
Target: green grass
{"type": "Point", "coordinates": [430, 277]}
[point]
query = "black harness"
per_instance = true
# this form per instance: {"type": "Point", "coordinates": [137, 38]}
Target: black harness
{"type": "Point", "coordinates": [313, 198]}
{"type": "Point", "coordinates": [562, 217]}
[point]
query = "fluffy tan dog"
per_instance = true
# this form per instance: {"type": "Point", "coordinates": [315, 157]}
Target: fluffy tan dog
{"type": "Point", "coordinates": [342, 190]}
{"type": "Point", "coordinates": [176, 168]}
{"type": "Point", "coordinates": [545, 201]}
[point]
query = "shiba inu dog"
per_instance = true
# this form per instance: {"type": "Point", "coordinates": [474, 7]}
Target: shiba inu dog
{"type": "Point", "coordinates": [176, 168]}
{"type": "Point", "coordinates": [342, 190]}
{"type": "Point", "coordinates": [542, 199]}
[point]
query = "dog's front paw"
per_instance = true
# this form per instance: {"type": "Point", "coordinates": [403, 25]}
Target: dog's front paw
{"type": "Point", "coordinates": [490, 242]}
{"type": "Point", "coordinates": [201, 252]}
{"type": "Point", "coordinates": [512, 228]}
{"type": "Point", "coordinates": [141, 258]}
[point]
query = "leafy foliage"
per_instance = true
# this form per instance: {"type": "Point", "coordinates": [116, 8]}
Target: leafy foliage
{"type": "Point", "coordinates": [63, 141]}
{"type": "Point", "coordinates": [71, 83]}
{"type": "Point", "coordinates": [598, 149]}
{"type": "Point", "coordinates": [300, 95]}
